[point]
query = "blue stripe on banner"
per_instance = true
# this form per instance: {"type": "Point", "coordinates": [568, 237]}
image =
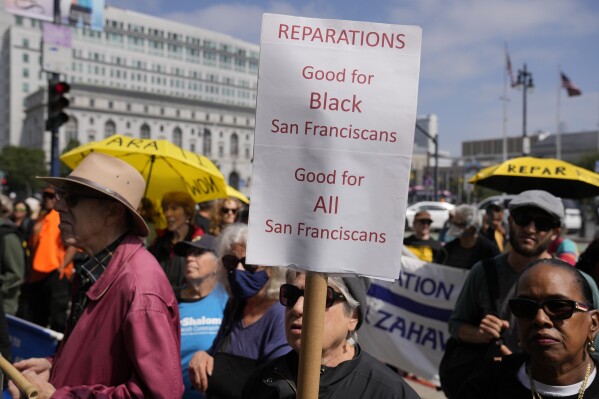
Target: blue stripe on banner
{"type": "Point", "coordinates": [408, 304]}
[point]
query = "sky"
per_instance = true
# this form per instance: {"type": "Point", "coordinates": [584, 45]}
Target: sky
{"type": "Point", "coordinates": [463, 54]}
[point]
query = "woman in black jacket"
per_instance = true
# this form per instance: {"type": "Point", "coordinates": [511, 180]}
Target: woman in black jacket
{"type": "Point", "coordinates": [347, 371]}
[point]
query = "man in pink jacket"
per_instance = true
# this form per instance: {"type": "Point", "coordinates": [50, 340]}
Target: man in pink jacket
{"type": "Point", "coordinates": [122, 336]}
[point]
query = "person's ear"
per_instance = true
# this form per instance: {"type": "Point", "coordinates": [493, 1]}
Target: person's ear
{"type": "Point", "coordinates": [353, 321]}
{"type": "Point", "coordinates": [594, 328]}
{"type": "Point", "coordinates": [115, 212]}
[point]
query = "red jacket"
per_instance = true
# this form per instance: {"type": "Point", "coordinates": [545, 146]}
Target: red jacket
{"type": "Point", "coordinates": [127, 342]}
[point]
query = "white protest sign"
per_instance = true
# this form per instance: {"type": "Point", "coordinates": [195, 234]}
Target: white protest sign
{"type": "Point", "coordinates": [406, 323]}
{"type": "Point", "coordinates": [335, 119]}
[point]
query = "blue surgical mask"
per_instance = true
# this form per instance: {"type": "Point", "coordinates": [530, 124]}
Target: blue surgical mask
{"type": "Point", "coordinates": [245, 284]}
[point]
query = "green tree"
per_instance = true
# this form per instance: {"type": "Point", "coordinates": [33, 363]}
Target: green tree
{"type": "Point", "coordinates": [64, 169]}
{"type": "Point", "coordinates": [21, 166]}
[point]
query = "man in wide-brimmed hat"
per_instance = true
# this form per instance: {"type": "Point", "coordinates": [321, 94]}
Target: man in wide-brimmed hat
{"type": "Point", "coordinates": [122, 336]}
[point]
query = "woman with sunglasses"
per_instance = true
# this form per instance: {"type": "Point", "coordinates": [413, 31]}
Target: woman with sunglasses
{"type": "Point", "coordinates": [223, 214]}
{"type": "Point", "coordinates": [347, 371]}
{"type": "Point", "coordinates": [252, 330]}
{"type": "Point", "coordinates": [557, 325]}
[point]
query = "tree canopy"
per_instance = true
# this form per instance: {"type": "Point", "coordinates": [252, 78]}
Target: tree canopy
{"type": "Point", "coordinates": [21, 165]}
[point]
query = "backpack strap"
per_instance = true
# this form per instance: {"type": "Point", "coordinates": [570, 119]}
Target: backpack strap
{"type": "Point", "coordinates": [490, 268]}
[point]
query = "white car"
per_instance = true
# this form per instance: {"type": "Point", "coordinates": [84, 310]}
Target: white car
{"type": "Point", "coordinates": [439, 212]}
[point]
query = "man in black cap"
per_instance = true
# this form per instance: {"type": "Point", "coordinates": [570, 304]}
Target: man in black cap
{"type": "Point", "coordinates": [346, 371]}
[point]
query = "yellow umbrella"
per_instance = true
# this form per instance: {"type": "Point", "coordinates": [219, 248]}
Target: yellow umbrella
{"type": "Point", "coordinates": [165, 166]}
{"type": "Point", "coordinates": [527, 173]}
{"type": "Point", "coordinates": [231, 192]}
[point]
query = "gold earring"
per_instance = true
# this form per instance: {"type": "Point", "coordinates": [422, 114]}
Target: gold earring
{"type": "Point", "coordinates": [591, 346]}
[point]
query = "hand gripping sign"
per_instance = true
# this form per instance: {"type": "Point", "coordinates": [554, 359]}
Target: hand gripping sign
{"type": "Point", "coordinates": [335, 119]}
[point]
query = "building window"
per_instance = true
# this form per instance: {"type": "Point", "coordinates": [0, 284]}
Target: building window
{"type": "Point", "coordinates": [71, 129]}
{"type": "Point", "coordinates": [247, 153]}
{"type": "Point", "coordinates": [92, 102]}
{"type": "Point", "coordinates": [25, 57]}
{"type": "Point", "coordinates": [128, 125]}
{"type": "Point", "coordinates": [128, 107]}
{"type": "Point", "coordinates": [234, 145]}
{"type": "Point", "coordinates": [91, 121]}
{"type": "Point", "coordinates": [145, 131]}
{"type": "Point", "coordinates": [25, 42]}
{"type": "Point", "coordinates": [177, 137]}
{"type": "Point", "coordinates": [110, 105]}
{"type": "Point", "coordinates": [207, 143]}
{"type": "Point", "coordinates": [192, 147]}
{"type": "Point", "coordinates": [109, 129]}
{"type": "Point", "coordinates": [234, 180]}
{"type": "Point", "coordinates": [25, 87]}
{"type": "Point", "coordinates": [221, 151]}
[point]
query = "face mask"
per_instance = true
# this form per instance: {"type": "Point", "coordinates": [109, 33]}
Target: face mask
{"type": "Point", "coordinates": [245, 284]}
{"type": "Point", "coordinates": [455, 231]}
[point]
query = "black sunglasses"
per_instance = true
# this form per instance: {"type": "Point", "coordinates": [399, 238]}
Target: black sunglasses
{"type": "Point", "coordinates": [72, 198]}
{"type": "Point", "coordinates": [541, 223]}
{"type": "Point", "coordinates": [289, 294]}
{"type": "Point", "coordinates": [230, 262]}
{"type": "Point", "coordinates": [556, 309]}
{"type": "Point", "coordinates": [424, 221]}
{"type": "Point", "coordinates": [229, 210]}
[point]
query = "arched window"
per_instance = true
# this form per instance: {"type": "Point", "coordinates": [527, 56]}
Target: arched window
{"type": "Point", "coordinates": [109, 129]}
{"type": "Point", "coordinates": [70, 129]}
{"type": "Point", "coordinates": [177, 137]}
{"type": "Point", "coordinates": [234, 145]}
{"type": "Point", "coordinates": [234, 180]}
{"type": "Point", "coordinates": [207, 143]}
{"type": "Point", "coordinates": [145, 131]}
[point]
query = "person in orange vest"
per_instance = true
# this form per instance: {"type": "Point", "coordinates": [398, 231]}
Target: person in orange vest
{"type": "Point", "coordinates": [47, 289]}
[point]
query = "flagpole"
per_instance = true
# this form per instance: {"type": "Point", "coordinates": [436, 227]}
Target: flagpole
{"type": "Point", "coordinates": [505, 100]}
{"type": "Point", "coordinates": [558, 137]}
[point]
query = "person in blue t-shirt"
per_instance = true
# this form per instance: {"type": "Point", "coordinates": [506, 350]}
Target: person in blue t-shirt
{"type": "Point", "coordinates": [202, 302]}
{"type": "Point", "coordinates": [253, 328]}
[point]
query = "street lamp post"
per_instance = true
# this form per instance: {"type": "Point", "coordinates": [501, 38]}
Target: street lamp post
{"type": "Point", "coordinates": [525, 82]}
{"type": "Point", "coordinates": [436, 169]}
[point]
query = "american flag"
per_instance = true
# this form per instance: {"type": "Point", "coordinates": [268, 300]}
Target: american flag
{"type": "Point", "coordinates": [570, 87]}
{"type": "Point", "coordinates": [510, 71]}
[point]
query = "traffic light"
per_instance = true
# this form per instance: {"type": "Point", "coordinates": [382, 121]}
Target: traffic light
{"type": "Point", "coordinates": [57, 104]}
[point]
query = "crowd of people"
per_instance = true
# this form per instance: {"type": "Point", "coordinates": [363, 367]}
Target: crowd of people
{"type": "Point", "coordinates": [160, 300]}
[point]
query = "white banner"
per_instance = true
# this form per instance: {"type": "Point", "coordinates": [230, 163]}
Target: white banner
{"type": "Point", "coordinates": [406, 324]}
{"type": "Point", "coordinates": [335, 119]}
{"type": "Point", "coordinates": [57, 53]}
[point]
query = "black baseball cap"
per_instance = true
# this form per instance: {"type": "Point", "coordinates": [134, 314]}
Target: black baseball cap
{"type": "Point", "coordinates": [207, 242]}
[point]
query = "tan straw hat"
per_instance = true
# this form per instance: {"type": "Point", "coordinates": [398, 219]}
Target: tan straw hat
{"type": "Point", "coordinates": [111, 177]}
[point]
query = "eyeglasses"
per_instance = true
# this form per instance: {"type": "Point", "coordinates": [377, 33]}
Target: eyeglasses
{"type": "Point", "coordinates": [289, 294]}
{"type": "Point", "coordinates": [541, 223]}
{"type": "Point", "coordinates": [19, 209]}
{"type": "Point", "coordinates": [424, 221]}
{"type": "Point", "coordinates": [73, 198]}
{"type": "Point", "coordinates": [48, 196]}
{"type": "Point", "coordinates": [229, 210]}
{"type": "Point", "coordinates": [556, 309]}
{"type": "Point", "coordinates": [230, 262]}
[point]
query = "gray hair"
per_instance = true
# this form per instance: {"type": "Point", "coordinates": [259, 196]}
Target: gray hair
{"type": "Point", "coordinates": [350, 305]}
{"type": "Point", "coordinates": [237, 233]}
{"type": "Point", "coordinates": [469, 214]}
